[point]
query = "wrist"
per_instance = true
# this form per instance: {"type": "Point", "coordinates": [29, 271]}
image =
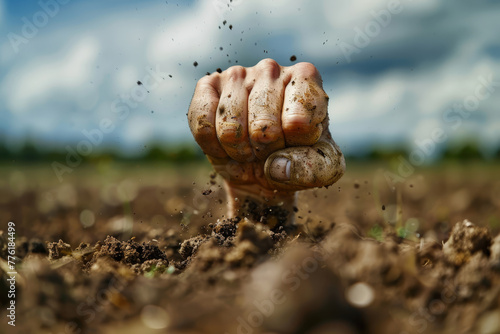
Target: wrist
{"type": "Point", "coordinates": [273, 208]}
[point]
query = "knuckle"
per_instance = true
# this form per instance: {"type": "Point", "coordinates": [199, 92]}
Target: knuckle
{"type": "Point", "coordinates": [203, 132]}
{"type": "Point", "coordinates": [270, 67]}
{"type": "Point", "coordinates": [301, 133]}
{"type": "Point", "coordinates": [264, 101]}
{"type": "Point", "coordinates": [230, 134]}
{"type": "Point", "coordinates": [199, 116]}
{"type": "Point", "coordinates": [298, 123]}
{"type": "Point", "coordinates": [306, 70]}
{"type": "Point", "coordinates": [265, 132]}
{"type": "Point", "coordinates": [207, 81]}
{"type": "Point", "coordinates": [236, 73]}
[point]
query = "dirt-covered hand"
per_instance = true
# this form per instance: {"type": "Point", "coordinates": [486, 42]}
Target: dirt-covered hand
{"type": "Point", "coordinates": [265, 129]}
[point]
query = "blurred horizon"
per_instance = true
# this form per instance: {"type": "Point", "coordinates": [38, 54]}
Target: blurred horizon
{"type": "Point", "coordinates": [188, 151]}
{"type": "Point", "coordinates": [401, 75]}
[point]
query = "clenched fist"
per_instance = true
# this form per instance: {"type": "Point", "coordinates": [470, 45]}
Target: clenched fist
{"type": "Point", "coordinates": [265, 131]}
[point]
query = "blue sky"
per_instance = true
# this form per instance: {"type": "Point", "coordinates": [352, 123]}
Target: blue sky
{"type": "Point", "coordinates": [394, 70]}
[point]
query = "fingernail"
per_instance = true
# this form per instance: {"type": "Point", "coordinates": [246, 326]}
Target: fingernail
{"type": "Point", "coordinates": [280, 169]}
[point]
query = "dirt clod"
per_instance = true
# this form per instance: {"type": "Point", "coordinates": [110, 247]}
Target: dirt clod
{"type": "Point", "coordinates": [190, 246]}
{"type": "Point", "coordinates": [349, 267]}
{"type": "Point", "coordinates": [465, 240]}
{"type": "Point", "coordinates": [58, 249]}
{"type": "Point", "coordinates": [129, 252]}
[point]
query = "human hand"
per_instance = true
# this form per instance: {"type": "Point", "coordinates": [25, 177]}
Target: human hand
{"type": "Point", "coordinates": [265, 131]}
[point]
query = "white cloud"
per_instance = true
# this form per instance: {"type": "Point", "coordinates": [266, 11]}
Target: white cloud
{"type": "Point", "coordinates": [423, 6]}
{"type": "Point", "coordinates": [371, 99]}
{"type": "Point", "coordinates": [185, 35]}
{"type": "Point", "coordinates": [424, 128]}
{"type": "Point", "coordinates": [56, 69]}
{"type": "Point", "coordinates": [87, 97]}
{"type": "Point", "coordinates": [126, 75]}
{"type": "Point", "coordinates": [50, 77]}
{"type": "Point", "coordinates": [138, 130]}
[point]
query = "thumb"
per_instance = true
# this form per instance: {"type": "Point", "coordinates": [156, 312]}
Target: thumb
{"type": "Point", "coordinates": [303, 167]}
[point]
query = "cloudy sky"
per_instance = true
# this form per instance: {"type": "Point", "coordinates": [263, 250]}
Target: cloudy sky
{"type": "Point", "coordinates": [396, 71]}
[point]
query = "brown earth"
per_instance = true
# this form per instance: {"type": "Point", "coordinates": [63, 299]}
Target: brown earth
{"type": "Point", "coordinates": [144, 249]}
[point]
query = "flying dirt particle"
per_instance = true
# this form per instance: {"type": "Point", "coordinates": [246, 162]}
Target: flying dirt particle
{"type": "Point", "coordinates": [195, 64]}
{"type": "Point", "coordinates": [293, 58]}
{"type": "Point", "coordinates": [208, 73]}
{"type": "Point", "coordinates": [152, 111]}
{"type": "Point", "coordinates": [221, 110]}
{"type": "Point", "coordinates": [139, 83]}
{"type": "Point", "coordinates": [219, 70]}
{"type": "Point", "coordinates": [224, 22]}
{"type": "Point", "coordinates": [356, 185]}
{"type": "Point", "coordinates": [383, 207]}
{"type": "Point", "coordinates": [170, 75]}
{"type": "Point", "coordinates": [221, 48]}
{"type": "Point", "coordinates": [207, 192]}
{"type": "Point", "coordinates": [230, 27]}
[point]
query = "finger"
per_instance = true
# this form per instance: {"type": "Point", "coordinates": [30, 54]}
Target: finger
{"type": "Point", "coordinates": [265, 104]}
{"type": "Point", "coordinates": [305, 106]}
{"type": "Point", "coordinates": [303, 167]}
{"type": "Point", "coordinates": [201, 115]}
{"type": "Point", "coordinates": [231, 119]}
